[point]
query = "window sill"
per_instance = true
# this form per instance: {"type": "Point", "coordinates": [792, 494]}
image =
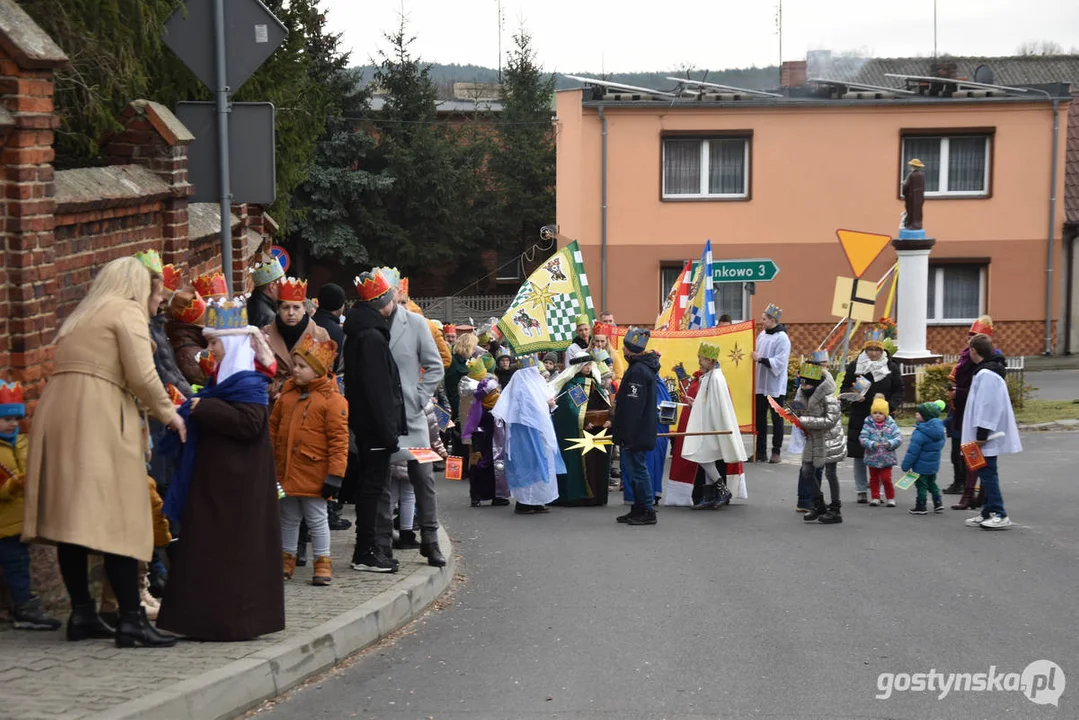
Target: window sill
{"type": "Point", "coordinates": [705, 198]}
{"type": "Point", "coordinates": [950, 322]}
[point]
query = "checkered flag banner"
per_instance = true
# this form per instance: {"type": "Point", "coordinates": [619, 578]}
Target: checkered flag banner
{"type": "Point", "coordinates": [544, 312]}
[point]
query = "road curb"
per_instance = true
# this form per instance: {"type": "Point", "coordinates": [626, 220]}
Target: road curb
{"type": "Point", "coordinates": [230, 690]}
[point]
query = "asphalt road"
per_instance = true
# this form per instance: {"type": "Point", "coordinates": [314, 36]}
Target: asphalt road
{"type": "Point", "coordinates": [1055, 384]}
{"type": "Point", "coordinates": [744, 612]}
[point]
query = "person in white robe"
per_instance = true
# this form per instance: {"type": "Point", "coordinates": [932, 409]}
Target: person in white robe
{"type": "Point", "coordinates": [712, 410]}
{"type": "Point", "coordinates": [990, 423]}
{"type": "Point", "coordinates": [771, 357]}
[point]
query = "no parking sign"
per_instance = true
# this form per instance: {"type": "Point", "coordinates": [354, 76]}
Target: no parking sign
{"type": "Point", "coordinates": [282, 256]}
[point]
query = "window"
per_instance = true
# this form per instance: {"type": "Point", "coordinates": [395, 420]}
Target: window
{"type": "Point", "coordinates": [668, 275]}
{"type": "Point", "coordinates": [730, 297]}
{"type": "Point", "coordinates": [716, 167]}
{"type": "Point", "coordinates": [956, 293]}
{"type": "Point", "coordinates": [955, 165]}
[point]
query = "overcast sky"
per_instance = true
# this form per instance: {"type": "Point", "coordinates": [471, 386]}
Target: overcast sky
{"type": "Point", "coordinates": [595, 35]}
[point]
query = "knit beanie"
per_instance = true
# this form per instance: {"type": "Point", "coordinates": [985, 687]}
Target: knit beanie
{"type": "Point", "coordinates": [880, 404]}
{"type": "Point", "coordinates": [552, 356]}
{"type": "Point", "coordinates": [331, 297]}
{"type": "Point", "coordinates": [931, 410]}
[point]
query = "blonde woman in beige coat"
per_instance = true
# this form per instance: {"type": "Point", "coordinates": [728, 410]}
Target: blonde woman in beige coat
{"type": "Point", "coordinates": [86, 486]}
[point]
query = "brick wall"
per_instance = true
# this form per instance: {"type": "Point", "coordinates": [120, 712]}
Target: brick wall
{"type": "Point", "coordinates": [1013, 338]}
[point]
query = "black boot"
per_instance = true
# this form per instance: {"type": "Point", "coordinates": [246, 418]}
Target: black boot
{"type": "Point", "coordinates": [301, 545]}
{"type": "Point", "coordinates": [634, 511]}
{"type": "Point", "coordinates": [434, 556]}
{"type": "Point", "coordinates": [831, 517]}
{"type": "Point", "coordinates": [86, 624]}
{"type": "Point", "coordinates": [708, 498]}
{"type": "Point", "coordinates": [406, 541]}
{"type": "Point", "coordinates": [816, 513]}
{"type": "Point", "coordinates": [135, 630]}
{"type": "Point", "coordinates": [646, 517]}
{"type": "Point", "coordinates": [333, 513]}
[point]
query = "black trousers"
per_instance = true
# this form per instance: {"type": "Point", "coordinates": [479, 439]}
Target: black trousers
{"type": "Point", "coordinates": [374, 521]}
{"type": "Point", "coordinates": [123, 574]}
{"type": "Point", "coordinates": [959, 466]}
{"type": "Point", "coordinates": [764, 409]}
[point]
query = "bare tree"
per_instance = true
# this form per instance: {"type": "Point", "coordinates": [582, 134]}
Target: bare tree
{"type": "Point", "coordinates": [1040, 47]}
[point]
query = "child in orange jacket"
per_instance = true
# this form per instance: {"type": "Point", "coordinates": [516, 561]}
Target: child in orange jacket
{"type": "Point", "coordinates": [309, 428]}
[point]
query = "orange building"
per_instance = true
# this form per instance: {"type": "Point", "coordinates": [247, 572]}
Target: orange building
{"type": "Point", "coordinates": [643, 180]}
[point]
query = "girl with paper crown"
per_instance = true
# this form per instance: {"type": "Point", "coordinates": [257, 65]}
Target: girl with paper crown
{"type": "Point", "coordinates": [225, 583]}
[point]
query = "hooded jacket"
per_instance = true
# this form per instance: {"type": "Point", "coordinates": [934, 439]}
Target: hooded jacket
{"type": "Point", "coordinates": [926, 446]}
{"type": "Point", "coordinates": [636, 415]}
{"type": "Point", "coordinates": [372, 383]}
{"type": "Point", "coordinates": [309, 430]}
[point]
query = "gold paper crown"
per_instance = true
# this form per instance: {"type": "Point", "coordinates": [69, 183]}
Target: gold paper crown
{"type": "Point", "coordinates": [293, 290]}
{"type": "Point", "coordinates": [319, 354]}
{"type": "Point", "coordinates": [211, 285]}
{"type": "Point", "coordinates": [226, 314]}
{"type": "Point", "coordinates": [477, 370]}
{"type": "Point", "coordinates": [151, 260]}
{"type": "Point", "coordinates": [809, 371]}
{"type": "Point", "coordinates": [708, 350]}
{"type": "Point", "coordinates": [874, 339]}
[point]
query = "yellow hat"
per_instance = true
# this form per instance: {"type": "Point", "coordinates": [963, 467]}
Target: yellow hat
{"type": "Point", "coordinates": [880, 404]}
{"type": "Point", "coordinates": [915, 162]}
{"type": "Point", "coordinates": [708, 350]}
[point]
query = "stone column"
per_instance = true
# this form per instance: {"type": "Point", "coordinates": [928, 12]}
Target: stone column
{"type": "Point", "coordinates": [913, 292]}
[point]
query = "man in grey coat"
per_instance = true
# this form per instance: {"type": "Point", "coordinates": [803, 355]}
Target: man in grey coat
{"type": "Point", "coordinates": [414, 350]}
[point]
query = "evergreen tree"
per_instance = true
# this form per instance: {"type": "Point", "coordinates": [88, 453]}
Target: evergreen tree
{"type": "Point", "coordinates": [523, 163]}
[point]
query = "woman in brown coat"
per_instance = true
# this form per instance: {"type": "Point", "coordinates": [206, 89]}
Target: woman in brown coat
{"type": "Point", "coordinates": [290, 326]}
{"type": "Point", "coordinates": [86, 483]}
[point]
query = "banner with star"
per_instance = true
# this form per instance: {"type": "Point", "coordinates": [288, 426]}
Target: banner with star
{"type": "Point", "coordinates": [680, 347]}
{"type": "Point", "coordinates": [543, 316]}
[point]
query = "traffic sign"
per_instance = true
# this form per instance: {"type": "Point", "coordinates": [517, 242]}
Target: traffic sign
{"type": "Point", "coordinates": [854, 299]}
{"type": "Point", "coordinates": [282, 256]}
{"type": "Point", "coordinates": [862, 248]}
{"type": "Point", "coordinates": [252, 31]}
{"type": "Point", "coordinates": [251, 147]}
{"type": "Point", "coordinates": [729, 271]}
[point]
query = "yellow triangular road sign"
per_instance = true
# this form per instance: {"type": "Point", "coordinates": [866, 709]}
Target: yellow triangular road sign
{"type": "Point", "coordinates": [862, 248]}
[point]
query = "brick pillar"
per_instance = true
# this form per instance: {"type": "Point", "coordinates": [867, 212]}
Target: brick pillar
{"type": "Point", "coordinates": [28, 59]}
{"type": "Point", "coordinates": [154, 138]}
{"type": "Point", "coordinates": [241, 279]}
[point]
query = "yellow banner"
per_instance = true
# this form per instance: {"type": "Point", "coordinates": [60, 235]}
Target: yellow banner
{"type": "Point", "coordinates": [735, 345]}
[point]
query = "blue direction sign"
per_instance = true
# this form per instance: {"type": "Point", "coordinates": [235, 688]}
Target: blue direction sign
{"type": "Point", "coordinates": [730, 271]}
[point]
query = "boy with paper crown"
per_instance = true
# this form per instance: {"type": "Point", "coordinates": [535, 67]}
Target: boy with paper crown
{"type": "Point", "coordinates": [225, 579]}
{"type": "Point", "coordinates": [880, 437]}
{"type": "Point", "coordinates": [989, 423]}
{"type": "Point", "coordinates": [14, 554]}
{"type": "Point", "coordinates": [309, 429]}
{"type": "Point", "coordinates": [710, 410]}
{"type": "Point", "coordinates": [825, 446]}
{"type": "Point", "coordinates": [923, 455]}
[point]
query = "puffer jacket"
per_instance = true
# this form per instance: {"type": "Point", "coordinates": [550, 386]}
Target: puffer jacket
{"type": "Point", "coordinates": [13, 458]}
{"type": "Point", "coordinates": [926, 445]}
{"type": "Point", "coordinates": [309, 429]}
{"type": "Point", "coordinates": [821, 421]}
{"type": "Point", "coordinates": [873, 435]}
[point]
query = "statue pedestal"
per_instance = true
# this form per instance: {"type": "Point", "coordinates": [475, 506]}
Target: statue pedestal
{"type": "Point", "coordinates": [912, 248]}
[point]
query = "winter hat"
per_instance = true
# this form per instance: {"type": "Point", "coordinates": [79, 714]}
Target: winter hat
{"type": "Point", "coordinates": [331, 297]}
{"type": "Point", "coordinates": [931, 410]}
{"type": "Point", "coordinates": [320, 355]}
{"type": "Point", "coordinates": [880, 404]}
{"type": "Point", "coordinates": [552, 356]}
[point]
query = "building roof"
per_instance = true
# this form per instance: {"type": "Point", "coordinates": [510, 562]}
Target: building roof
{"type": "Point", "coordinates": [449, 107]}
{"type": "Point", "coordinates": [1018, 70]}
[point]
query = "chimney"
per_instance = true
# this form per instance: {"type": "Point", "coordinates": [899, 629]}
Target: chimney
{"type": "Point", "coordinates": [944, 69]}
{"type": "Point", "coordinates": [792, 74]}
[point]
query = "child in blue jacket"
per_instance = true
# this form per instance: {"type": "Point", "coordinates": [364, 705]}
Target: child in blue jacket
{"type": "Point", "coordinates": [923, 455]}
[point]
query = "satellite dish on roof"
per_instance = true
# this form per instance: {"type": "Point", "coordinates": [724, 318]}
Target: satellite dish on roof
{"type": "Point", "coordinates": [984, 74]}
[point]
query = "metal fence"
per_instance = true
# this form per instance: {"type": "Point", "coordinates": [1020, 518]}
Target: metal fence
{"type": "Point", "coordinates": [464, 308]}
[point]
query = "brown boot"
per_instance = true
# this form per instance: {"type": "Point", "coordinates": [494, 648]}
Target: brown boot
{"type": "Point", "coordinates": [323, 571]}
{"type": "Point", "coordinates": [288, 564]}
{"type": "Point", "coordinates": [979, 499]}
{"type": "Point", "coordinates": [775, 457]}
{"type": "Point", "coordinates": [967, 501]}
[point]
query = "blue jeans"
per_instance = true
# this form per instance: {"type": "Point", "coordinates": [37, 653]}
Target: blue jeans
{"type": "Point", "coordinates": [635, 472]}
{"type": "Point", "coordinates": [994, 501]}
{"type": "Point", "coordinates": [806, 491]}
{"type": "Point", "coordinates": [15, 562]}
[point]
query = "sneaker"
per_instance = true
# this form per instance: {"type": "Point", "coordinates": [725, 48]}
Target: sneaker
{"type": "Point", "coordinates": [500, 502]}
{"type": "Point", "coordinates": [832, 517]}
{"type": "Point", "coordinates": [890, 503]}
{"type": "Point", "coordinates": [874, 502]}
{"type": "Point", "coordinates": [373, 560]}
{"type": "Point", "coordinates": [813, 515]}
{"type": "Point", "coordinates": [862, 498]}
{"type": "Point", "coordinates": [975, 520]}
{"type": "Point", "coordinates": [31, 616]}
{"type": "Point", "coordinates": [938, 506]}
{"type": "Point", "coordinates": [647, 517]}
{"type": "Point", "coordinates": [996, 522]}
{"type": "Point", "coordinates": [918, 510]}
{"type": "Point", "coordinates": [800, 509]}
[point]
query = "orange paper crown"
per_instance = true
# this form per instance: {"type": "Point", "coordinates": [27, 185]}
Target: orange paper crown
{"type": "Point", "coordinates": [292, 290]}
{"type": "Point", "coordinates": [603, 329]}
{"type": "Point", "coordinates": [372, 286]}
{"type": "Point", "coordinates": [211, 285]}
{"type": "Point", "coordinates": [187, 306]}
{"type": "Point", "coordinates": [450, 329]}
{"type": "Point", "coordinates": [171, 277]}
{"type": "Point", "coordinates": [319, 354]}
{"type": "Point", "coordinates": [10, 393]}
{"type": "Point", "coordinates": [982, 326]}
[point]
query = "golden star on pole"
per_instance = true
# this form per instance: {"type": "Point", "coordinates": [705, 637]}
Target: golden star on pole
{"type": "Point", "coordinates": [589, 442]}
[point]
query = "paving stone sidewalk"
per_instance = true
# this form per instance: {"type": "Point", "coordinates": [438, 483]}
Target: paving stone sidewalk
{"type": "Point", "coordinates": [42, 676]}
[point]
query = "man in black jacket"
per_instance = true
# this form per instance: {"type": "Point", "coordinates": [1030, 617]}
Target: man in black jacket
{"type": "Point", "coordinates": [376, 415]}
{"type": "Point", "coordinates": [636, 417]}
{"type": "Point", "coordinates": [262, 306]}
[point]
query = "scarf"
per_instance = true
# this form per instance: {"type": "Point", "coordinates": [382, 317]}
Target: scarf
{"type": "Point", "coordinates": [248, 387]}
{"type": "Point", "coordinates": [291, 334]}
{"type": "Point", "coordinates": [877, 368]}
{"type": "Point", "coordinates": [10, 438]}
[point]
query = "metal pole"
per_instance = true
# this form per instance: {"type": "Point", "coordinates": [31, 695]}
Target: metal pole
{"type": "Point", "coordinates": [221, 95]}
{"type": "Point", "coordinates": [603, 210]}
{"type": "Point", "coordinates": [846, 342]}
{"type": "Point", "coordinates": [934, 28]}
{"type": "Point", "coordinates": [1052, 231]}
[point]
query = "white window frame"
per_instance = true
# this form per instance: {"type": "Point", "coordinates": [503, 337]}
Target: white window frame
{"type": "Point", "coordinates": [945, 149]}
{"type": "Point", "coordinates": [936, 276]}
{"type": "Point", "coordinates": [705, 157]}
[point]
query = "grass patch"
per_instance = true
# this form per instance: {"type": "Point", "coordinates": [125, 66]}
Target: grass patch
{"type": "Point", "coordinates": [1032, 412]}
